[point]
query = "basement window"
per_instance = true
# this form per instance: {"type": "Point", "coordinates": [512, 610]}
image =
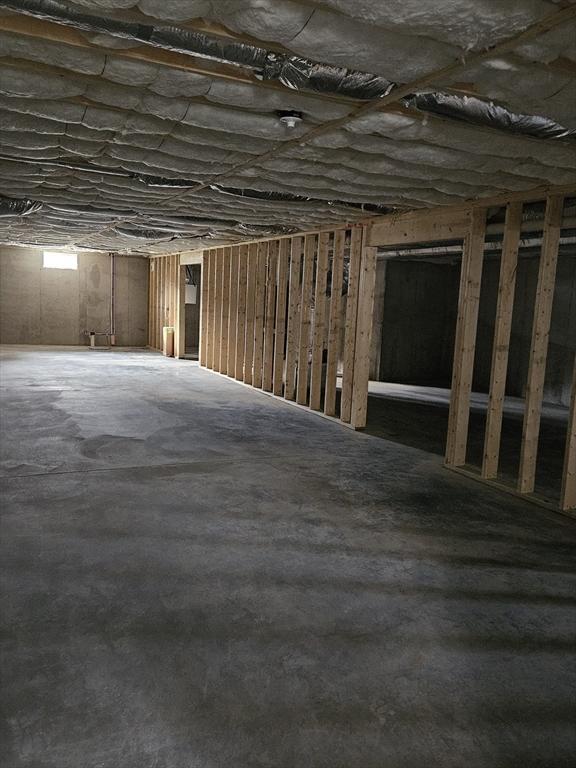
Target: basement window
{"type": "Point", "coordinates": [60, 260]}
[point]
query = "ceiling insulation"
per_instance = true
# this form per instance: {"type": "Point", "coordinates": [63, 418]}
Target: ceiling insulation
{"type": "Point", "coordinates": [113, 144]}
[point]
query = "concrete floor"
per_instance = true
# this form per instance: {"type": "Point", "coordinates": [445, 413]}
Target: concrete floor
{"type": "Point", "coordinates": [418, 416]}
{"type": "Point", "coordinates": [197, 576]}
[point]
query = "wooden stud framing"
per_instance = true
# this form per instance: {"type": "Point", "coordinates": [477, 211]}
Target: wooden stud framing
{"type": "Point", "coordinates": [217, 331]}
{"type": "Point", "coordinates": [280, 324]}
{"type": "Point", "coordinates": [150, 301]}
{"type": "Point", "coordinates": [180, 336]}
{"type": "Point", "coordinates": [335, 323]}
{"type": "Point", "coordinates": [539, 345]}
{"type": "Point", "coordinates": [310, 247]}
{"type": "Point", "coordinates": [268, 361]}
{"type": "Point", "coordinates": [366, 290]}
{"type": "Point", "coordinates": [568, 493]}
{"type": "Point", "coordinates": [209, 268]}
{"type": "Point", "coordinates": [501, 345]}
{"type": "Point", "coordinates": [319, 322]}
{"type": "Point", "coordinates": [465, 346]}
{"type": "Point", "coordinates": [225, 310]}
{"type": "Point", "coordinates": [350, 327]}
{"type": "Point", "coordinates": [233, 310]}
{"type": "Point", "coordinates": [241, 314]}
{"type": "Point", "coordinates": [203, 352]}
{"type": "Point", "coordinates": [250, 310]}
{"type": "Point", "coordinates": [293, 326]}
{"type": "Point", "coordinates": [259, 310]}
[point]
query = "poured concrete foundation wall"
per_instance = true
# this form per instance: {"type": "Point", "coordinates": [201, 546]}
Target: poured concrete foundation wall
{"type": "Point", "coordinates": [56, 306]}
{"type": "Point", "coordinates": [420, 304]}
{"type": "Point", "coordinates": [419, 322]}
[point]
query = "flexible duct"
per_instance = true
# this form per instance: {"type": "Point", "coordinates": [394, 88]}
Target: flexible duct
{"type": "Point", "coordinates": [10, 207]}
{"type": "Point", "coordinates": [478, 112]}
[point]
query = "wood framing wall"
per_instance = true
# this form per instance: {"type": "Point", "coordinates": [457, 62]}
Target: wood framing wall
{"type": "Point", "coordinates": [470, 226]}
{"type": "Point", "coordinates": [292, 315]}
{"type": "Point", "coordinates": [465, 346]}
{"type": "Point", "coordinates": [288, 315]}
{"type": "Point", "coordinates": [165, 299]}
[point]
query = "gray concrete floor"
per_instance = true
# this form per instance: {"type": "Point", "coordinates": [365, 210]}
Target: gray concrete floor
{"type": "Point", "coordinates": [197, 576]}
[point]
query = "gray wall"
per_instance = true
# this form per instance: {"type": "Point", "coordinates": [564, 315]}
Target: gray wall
{"type": "Point", "coordinates": [420, 306]}
{"type": "Point", "coordinates": [420, 303]}
{"type": "Point", "coordinates": [54, 306]}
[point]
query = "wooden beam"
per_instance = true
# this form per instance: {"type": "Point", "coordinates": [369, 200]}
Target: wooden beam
{"type": "Point", "coordinates": [335, 323]}
{"type": "Point", "coordinates": [501, 343]}
{"type": "Point", "coordinates": [350, 326]}
{"type": "Point", "coordinates": [281, 308]}
{"type": "Point", "coordinates": [539, 344]}
{"type": "Point", "coordinates": [233, 311]}
{"type": "Point", "coordinates": [420, 227]}
{"type": "Point", "coordinates": [250, 308]}
{"type": "Point", "coordinates": [319, 322]}
{"type": "Point", "coordinates": [260, 309]}
{"type": "Point", "coordinates": [568, 494]}
{"type": "Point", "coordinates": [241, 330]}
{"type": "Point", "coordinates": [363, 338]}
{"type": "Point", "coordinates": [465, 346]}
{"type": "Point", "coordinates": [294, 298]}
{"type": "Point", "coordinates": [268, 362]}
{"type": "Point", "coordinates": [310, 245]}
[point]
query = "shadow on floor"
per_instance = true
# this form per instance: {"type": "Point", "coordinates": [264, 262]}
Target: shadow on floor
{"type": "Point", "coordinates": [420, 423]}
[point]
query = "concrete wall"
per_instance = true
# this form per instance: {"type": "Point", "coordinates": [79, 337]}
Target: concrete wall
{"type": "Point", "coordinates": [55, 306]}
{"type": "Point", "coordinates": [420, 303]}
{"type": "Point", "coordinates": [419, 321]}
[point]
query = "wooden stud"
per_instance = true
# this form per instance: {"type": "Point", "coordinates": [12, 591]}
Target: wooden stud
{"type": "Point", "coordinates": [501, 344]}
{"type": "Point", "coordinates": [280, 326]}
{"type": "Point", "coordinates": [225, 310]}
{"type": "Point", "coordinates": [150, 274]}
{"type": "Point", "coordinates": [250, 309]}
{"type": "Point", "coordinates": [350, 327]}
{"type": "Point", "coordinates": [268, 360]}
{"type": "Point", "coordinates": [363, 336]}
{"type": "Point", "coordinates": [568, 494]}
{"type": "Point", "coordinates": [157, 302]}
{"type": "Point", "coordinates": [180, 329]}
{"type": "Point", "coordinates": [151, 303]}
{"type": "Point", "coordinates": [217, 330]}
{"type": "Point", "coordinates": [310, 247]}
{"type": "Point", "coordinates": [241, 314]}
{"type": "Point", "coordinates": [335, 323]}
{"type": "Point", "coordinates": [259, 310]}
{"type": "Point", "coordinates": [203, 352]}
{"type": "Point", "coordinates": [539, 345]}
{"type": "Point", "coordinates": [293, 317]}
{"type": "Point", "coordinates": [209, 266]}
{"type": "Point", "coordinates": [319, 322]}
{"type": "Point", "coordinates": [233, 311]}
{"type": "Point", "coordinates": [465, 346]}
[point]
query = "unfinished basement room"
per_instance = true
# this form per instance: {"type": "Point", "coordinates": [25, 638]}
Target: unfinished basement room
{"type": "Point", "coordinates": [287, 383]}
